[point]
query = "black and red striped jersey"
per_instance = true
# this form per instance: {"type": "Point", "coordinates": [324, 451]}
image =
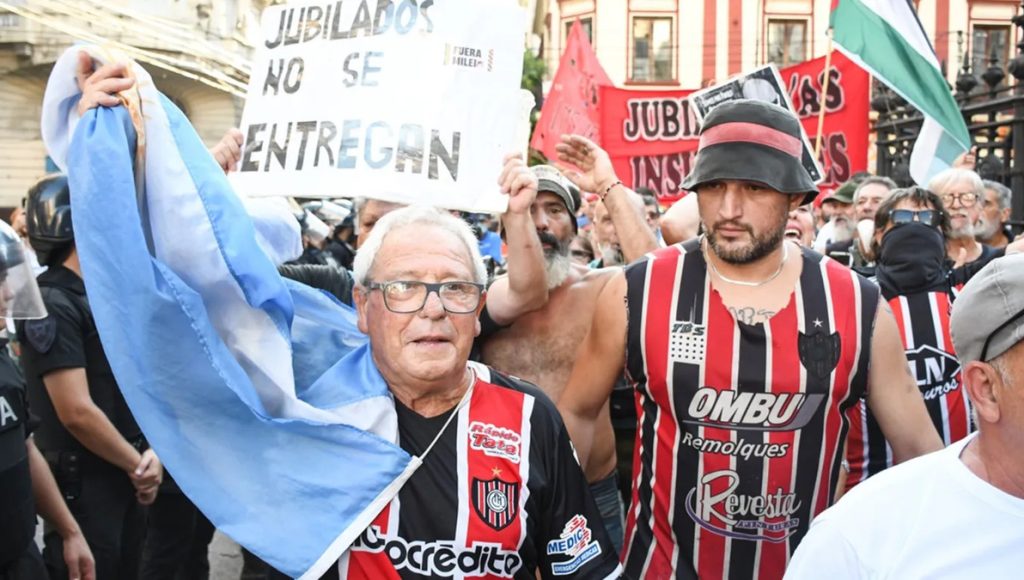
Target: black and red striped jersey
{"type": "Point", "coordinates": [923, 320]}
{"type": "Point", "coordinates": [741, 427]}
{"type": "Point", "coordinates": [500, 495]}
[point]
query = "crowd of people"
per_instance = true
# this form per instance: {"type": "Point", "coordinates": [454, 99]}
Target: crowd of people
{"type": "Point", "coordinates": [763, 380]}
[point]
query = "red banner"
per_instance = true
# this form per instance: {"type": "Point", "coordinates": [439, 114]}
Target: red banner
{"type": "Point", "coordinates": [651, 136]}
{"type": "Point", "coordinates": [572, 104]}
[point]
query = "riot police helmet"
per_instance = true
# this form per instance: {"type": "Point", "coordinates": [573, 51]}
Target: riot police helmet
{"type": "Point", "coordinates": [19, 293]}
{"type": "Point", "coordinates": [48, 217]}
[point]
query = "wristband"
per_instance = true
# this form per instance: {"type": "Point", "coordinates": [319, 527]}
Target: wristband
{"type": "Point", "coordinates": [609, 189]}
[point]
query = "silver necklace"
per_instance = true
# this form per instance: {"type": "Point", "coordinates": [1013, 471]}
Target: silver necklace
{"type": "Point", "coordinates": [782, 264]}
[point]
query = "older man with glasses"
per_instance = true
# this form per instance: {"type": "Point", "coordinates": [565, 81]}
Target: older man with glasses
{"type": "Point", "coordinates": [959, 512]}
{"type": "Point", "coordinates": [963, 192]}
{"type": "Point", "coordinates": [501, 494]}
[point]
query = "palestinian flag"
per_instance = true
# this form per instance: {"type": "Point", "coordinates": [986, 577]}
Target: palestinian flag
{"type": "Point", "coordinates": [886, 39]}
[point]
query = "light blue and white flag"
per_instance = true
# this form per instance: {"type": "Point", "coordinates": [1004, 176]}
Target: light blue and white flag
{"type": "Point", "coordinates": [259, 394]}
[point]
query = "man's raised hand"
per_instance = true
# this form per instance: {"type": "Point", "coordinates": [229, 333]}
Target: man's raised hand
{"type": "Point", "coordinates": [100, 86]}
{"type": "Point", "coordinates": [519, 183]}
{"type": "Point", "coordinates": [596, 172]}
{"type": "Point", "coordinates": [228, 150]}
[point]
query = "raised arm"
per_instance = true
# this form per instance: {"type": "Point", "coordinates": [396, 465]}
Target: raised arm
{"type": "Point", "coordinates": [599, 362]}
{"type": "Point", "coordinates": [625, 207]}
{"type": "Point", "coordinates": [682, 221]}
{"type": "Point", "coordinates": [893, 394]}
{"type": "Point", "coordinates": [525, 288]}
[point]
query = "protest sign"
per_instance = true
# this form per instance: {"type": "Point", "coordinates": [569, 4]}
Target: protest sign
{"type": "Point", "coordinates": [573, 104]}
{"type": "Point", "coordinates": [406, 101]}
{"type": "Point", "coordinates": [652, 139]}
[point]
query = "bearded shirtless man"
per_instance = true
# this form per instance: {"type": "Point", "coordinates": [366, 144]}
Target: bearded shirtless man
{"type": "Point", "coordinates": [541, 346]}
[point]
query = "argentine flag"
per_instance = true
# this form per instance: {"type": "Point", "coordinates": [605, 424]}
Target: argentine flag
{"type": "Point", "coordinates": [258, 393]}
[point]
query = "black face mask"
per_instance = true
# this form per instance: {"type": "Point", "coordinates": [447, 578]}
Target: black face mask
{"type": "Point", "coordinates": [912, 259]}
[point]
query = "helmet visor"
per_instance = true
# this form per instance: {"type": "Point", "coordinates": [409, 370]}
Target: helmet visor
{"type": "Point", "coordinates": [19, 293]}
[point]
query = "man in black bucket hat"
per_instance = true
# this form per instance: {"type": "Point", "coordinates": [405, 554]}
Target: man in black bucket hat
{"type": "Point", "coordinates": [747, 353]}
{"type": "Point", "coordinates": [748, 130]}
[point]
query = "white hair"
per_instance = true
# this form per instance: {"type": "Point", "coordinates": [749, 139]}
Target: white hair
{"type": "Point", "coordinates": [941, 183]}
{"type": "Point", "coordinates": [416, 215]}
{"type": "Point", "coordinates": [874, 180]}
{"type": "Point", "coordinates": [1003, 194]}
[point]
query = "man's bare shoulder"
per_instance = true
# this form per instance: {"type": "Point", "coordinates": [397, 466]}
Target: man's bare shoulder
{"type": "Point", "coordinates": [598, 277]}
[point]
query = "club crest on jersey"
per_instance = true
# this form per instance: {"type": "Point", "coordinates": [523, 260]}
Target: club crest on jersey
{"type": "Point", "coordinates": [495, 441]}
{"type": "Point", "coordinates": [936, 371]}
{"type": "Point", "coordinates": [819, 352]}
{"type": "Point", "coordinates": [577, 542]}
{"type": "Point", "coordinates": [744, 410]}
{"type": "Point", "coordinates": [716, 506]}
{"type": "Point", "coordinates": [496, 502]}
{"type": "Point", "coordinates": [687, 342]}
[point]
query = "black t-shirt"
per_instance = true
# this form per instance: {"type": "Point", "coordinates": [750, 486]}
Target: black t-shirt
{"type": "Point", "coordinates": [963, 274]}
{"type": "Point", "coordinates": [67, 338]}
{"type": "Point", "coordinates": [506, 452]}
{"type": "Point", "coordinates": [17, 510]}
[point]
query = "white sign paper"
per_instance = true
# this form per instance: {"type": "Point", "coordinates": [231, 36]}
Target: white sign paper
{"type": "Point", "coordinates": [406, 101]}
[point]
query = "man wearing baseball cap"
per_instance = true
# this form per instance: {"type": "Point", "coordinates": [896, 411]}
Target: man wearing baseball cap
{"type": "Point", "coordinates": [958, 513]}
{"type": "Point", "coordinates": [747, 353]}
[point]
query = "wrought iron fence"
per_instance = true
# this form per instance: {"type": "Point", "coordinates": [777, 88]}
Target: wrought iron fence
{"type": "Point", "coordinates": [993, 108]}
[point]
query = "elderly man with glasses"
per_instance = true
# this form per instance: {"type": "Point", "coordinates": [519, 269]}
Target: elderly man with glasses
{"type": "Point", "coordinates": [963, 192]}
{"type": "Point", "coordinates": [501, 494]}
{"type": "Point", "coordinates": [959, 512]}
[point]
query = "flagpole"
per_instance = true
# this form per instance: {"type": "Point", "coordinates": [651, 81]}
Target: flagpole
{"type": "Point", "coordinates": [824, 93]}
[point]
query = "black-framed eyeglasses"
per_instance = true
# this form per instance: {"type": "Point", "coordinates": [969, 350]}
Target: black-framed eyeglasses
{"type": "Point", "coordinates": [967, 198]}
{"type": "Point", "coordinates": [1000, 328]}
{"type": "Point", "coordinates": [582, 254]}
{"type": "Point", "coordinates": [928, 217]}
{"type": "Point", "coordinates": [408, 296]}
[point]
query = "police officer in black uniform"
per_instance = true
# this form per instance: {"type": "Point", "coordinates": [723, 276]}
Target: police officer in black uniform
{"type": "Point", "coordinates": [23, 471]}
{"type": "Point", "coordinates": [86, 433]}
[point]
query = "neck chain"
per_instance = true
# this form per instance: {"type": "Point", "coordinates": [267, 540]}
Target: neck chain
{"type": "Point", "coordinates": [782, 264]}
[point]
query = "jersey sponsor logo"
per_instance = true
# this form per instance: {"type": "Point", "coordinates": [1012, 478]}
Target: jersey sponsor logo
{"type": "Point", "coordinates": [496, 502]}
{"type": "Point", "coordinates": [819, 352]}
{"type": "Point", "coordinates": [935, 371]}
{"type": "Point", "coordinates": [740, 448]}
{"type": "Point", "coordinates": [441, 558]}
{"type": "Point", "coordinates": [577, 541]}
{"type": "Point", "coordinates": [752, 411]}
{"type": "Point", "coordinates": [687, 342]}
{"type": "Point", "coordinates": [495, 441]}
{"type": "Point", "coordinates": [716, 506]}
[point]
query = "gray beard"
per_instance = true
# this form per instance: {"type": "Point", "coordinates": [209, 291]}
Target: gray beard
{"type": "Point", "coordinates": [842, 230]}
{"type": "Point", "coordinates": [612, 256]}
{"type": "Point", "coordinates": [558, 267]}
{"type": "Point", "coordinates": [967, 231]}
{"type": "Point", "coordinates": [983, 230]}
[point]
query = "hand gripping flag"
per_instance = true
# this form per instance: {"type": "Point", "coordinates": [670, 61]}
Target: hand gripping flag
{"type": "Point", "coordinates": [258, 394]}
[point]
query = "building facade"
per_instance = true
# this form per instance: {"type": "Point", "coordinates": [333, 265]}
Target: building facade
{"type": "Point", "coordinates": [693, 43]}
{"type": "Point", "coordinates": [209, 44]}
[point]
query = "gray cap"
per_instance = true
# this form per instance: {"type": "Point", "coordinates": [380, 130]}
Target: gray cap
{"type": "Point", "coordinates": [990, 305]}
{"type": "Point", "coordinates": [551, 179]}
